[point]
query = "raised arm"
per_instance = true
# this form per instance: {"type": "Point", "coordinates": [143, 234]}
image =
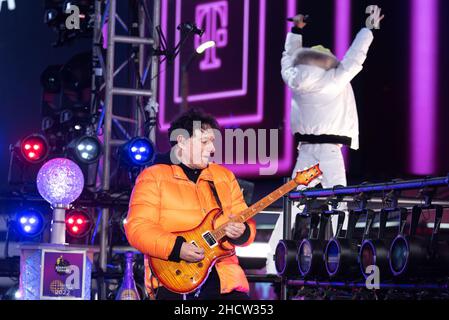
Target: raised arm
{"type": "Point", "coordinates": [354, 58]}
{"type": "Point", "coordinates": [293, 42]}
{"type": "Point", "coordinates": [352, 62]}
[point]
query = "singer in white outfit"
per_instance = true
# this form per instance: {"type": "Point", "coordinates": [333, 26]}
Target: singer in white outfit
{"type": "Point", "coordinates": [323, 109]}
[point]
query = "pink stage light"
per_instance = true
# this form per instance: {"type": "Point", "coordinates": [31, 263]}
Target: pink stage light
{"type": "Point", "coordinates": [342, 35]}
{"type": "Point", "coordinates": [423, 85]}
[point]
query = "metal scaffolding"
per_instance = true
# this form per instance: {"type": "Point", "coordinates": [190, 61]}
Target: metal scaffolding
{"type": "Point", "coordinates": [137, 117]}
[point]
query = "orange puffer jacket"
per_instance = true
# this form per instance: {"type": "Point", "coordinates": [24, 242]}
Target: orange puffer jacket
{"type": "Point", "coordinates": [164, 200]}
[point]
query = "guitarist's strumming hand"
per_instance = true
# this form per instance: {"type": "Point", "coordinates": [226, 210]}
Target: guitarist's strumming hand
{"type": "Point", "coordinates": [191, 253]}
{"type": "Point", "coordinates": [234, 229]}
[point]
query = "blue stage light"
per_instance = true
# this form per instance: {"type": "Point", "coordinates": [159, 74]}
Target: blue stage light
{"type": "Point", "coordinates": [138, 152]}
{"type": "Point", "coordinates": [30, 222]}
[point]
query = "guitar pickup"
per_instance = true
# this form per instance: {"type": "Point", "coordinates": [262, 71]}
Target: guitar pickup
{"type": "Point", "coordinates": [209, 239]}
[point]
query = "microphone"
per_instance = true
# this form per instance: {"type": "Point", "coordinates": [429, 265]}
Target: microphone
{"type": "Point", "coordinates": [305, 19]}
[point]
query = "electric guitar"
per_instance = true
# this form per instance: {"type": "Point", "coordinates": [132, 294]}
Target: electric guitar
{"type": "Point", "coordinates": [184, 277]}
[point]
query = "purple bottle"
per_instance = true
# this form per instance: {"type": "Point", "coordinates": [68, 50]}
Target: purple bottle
{"type": "Point", "coordinates": [128, 289]}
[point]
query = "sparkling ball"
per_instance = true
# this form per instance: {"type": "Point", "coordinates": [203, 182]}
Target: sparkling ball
{"type": "Point", "coordinates": [60, 181]}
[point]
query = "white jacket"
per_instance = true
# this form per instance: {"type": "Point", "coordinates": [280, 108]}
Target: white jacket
{"type": "Point", "coordinates": [323, 101]}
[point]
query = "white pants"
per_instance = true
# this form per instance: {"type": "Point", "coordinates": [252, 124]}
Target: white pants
{"type": "Point", "coordinates": [331, 161]}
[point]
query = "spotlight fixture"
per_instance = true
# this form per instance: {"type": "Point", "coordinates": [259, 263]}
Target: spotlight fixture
{"type": "Point", "coordinates": [29, 223]}
{"type": "Point", "coordinates": [53, 14]}
{"type": "Point", "coordinates": [33, 149]}
{"type": "Point", "coordinates": [374, 251]}
{"type": "Point", "coordinates": [57, 12]}
{"type": "Point", "coordinates": [86, 149]}
{"type": "Point", "coordinates": [341, 253]}
{"type": "Point", "coordinates": [78, 223]}
{"type": "Point", "coordinates": [310, 250]}
{"type": "Point", "coordinates": [138, 152]}
{"type": "Point", "coordinates": [414, 255]}
{"type": "Point", "coordinates": [285, 258]}
{"type": "Point", "coordinates": [189, 27]}
{"type": "Point", "coordinates": [400, 246]}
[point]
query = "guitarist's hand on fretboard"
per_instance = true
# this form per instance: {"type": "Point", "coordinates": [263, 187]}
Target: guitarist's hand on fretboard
{"type": "Point", "coordinates": [234, 229]}
{"type": "Point", "coordinates": [191, 253]}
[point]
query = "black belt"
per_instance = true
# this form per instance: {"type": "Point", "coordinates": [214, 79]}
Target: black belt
{"type": "Point", "coordinates": [323, 138]}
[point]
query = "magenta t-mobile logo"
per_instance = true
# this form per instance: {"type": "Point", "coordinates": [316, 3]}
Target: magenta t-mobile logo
{"type": "Point", "coordinates": [213, 18]}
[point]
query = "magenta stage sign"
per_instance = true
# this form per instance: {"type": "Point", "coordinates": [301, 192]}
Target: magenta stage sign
{"type": "Point", "coordinates": [228, 80]}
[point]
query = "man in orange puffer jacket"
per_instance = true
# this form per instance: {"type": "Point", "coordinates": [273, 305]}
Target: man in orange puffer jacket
{"type": "Point", "coordinates": [176, 196]}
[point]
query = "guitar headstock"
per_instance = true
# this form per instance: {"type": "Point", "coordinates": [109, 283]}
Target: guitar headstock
{"type": "Point", "coordinates": [308, 175]}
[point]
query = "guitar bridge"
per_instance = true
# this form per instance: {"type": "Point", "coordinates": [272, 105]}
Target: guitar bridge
{"type": "Point", "coordinates": [209, 239]}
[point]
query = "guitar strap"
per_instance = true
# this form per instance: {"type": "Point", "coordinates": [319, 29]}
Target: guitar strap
{"type": "Point", "coordinates": [214, 191]}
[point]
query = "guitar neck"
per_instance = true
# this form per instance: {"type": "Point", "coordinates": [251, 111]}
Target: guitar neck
{"type": "Point", "coordinates": [250, 212]}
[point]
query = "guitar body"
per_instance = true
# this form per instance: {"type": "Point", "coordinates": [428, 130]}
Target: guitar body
{"type": "Point", "coordinates": [185, 277]}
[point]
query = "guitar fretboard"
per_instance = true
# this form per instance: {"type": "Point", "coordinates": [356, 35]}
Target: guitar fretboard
{"type": "Point", "coordinates": [250, 212]}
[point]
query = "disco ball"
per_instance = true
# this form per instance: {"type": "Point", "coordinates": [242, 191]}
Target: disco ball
{"type": "Point", "coordinates": [60, 181]}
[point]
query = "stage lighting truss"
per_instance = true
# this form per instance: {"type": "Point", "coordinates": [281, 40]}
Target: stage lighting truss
{"type": "Point", "coordinates": [29, 223]}
{"type": "Point", "coordinates": [79, 222]}
{"type": "Point", "coordinates": [85, 149]}
{"type": "Point", "coordinates": [138, 152]}
{"type": "Point", "coordinates": [32, 149]}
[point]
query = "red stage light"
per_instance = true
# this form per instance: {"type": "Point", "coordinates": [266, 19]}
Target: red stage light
{"type": "Point", "coordinates": [34, 148]}
{"type": "Point", "coordinates": [78, 223]}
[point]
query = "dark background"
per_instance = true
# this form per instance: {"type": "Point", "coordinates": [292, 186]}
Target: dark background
{"type": "Point", "coordinates": [381, 89]}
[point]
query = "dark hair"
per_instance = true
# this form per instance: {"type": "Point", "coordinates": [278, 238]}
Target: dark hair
{"type": "Point", "coordinates": [185, 121]}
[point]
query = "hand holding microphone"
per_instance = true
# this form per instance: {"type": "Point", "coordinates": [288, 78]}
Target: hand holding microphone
{"type": "Point", "coordinates": [299, 20]}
